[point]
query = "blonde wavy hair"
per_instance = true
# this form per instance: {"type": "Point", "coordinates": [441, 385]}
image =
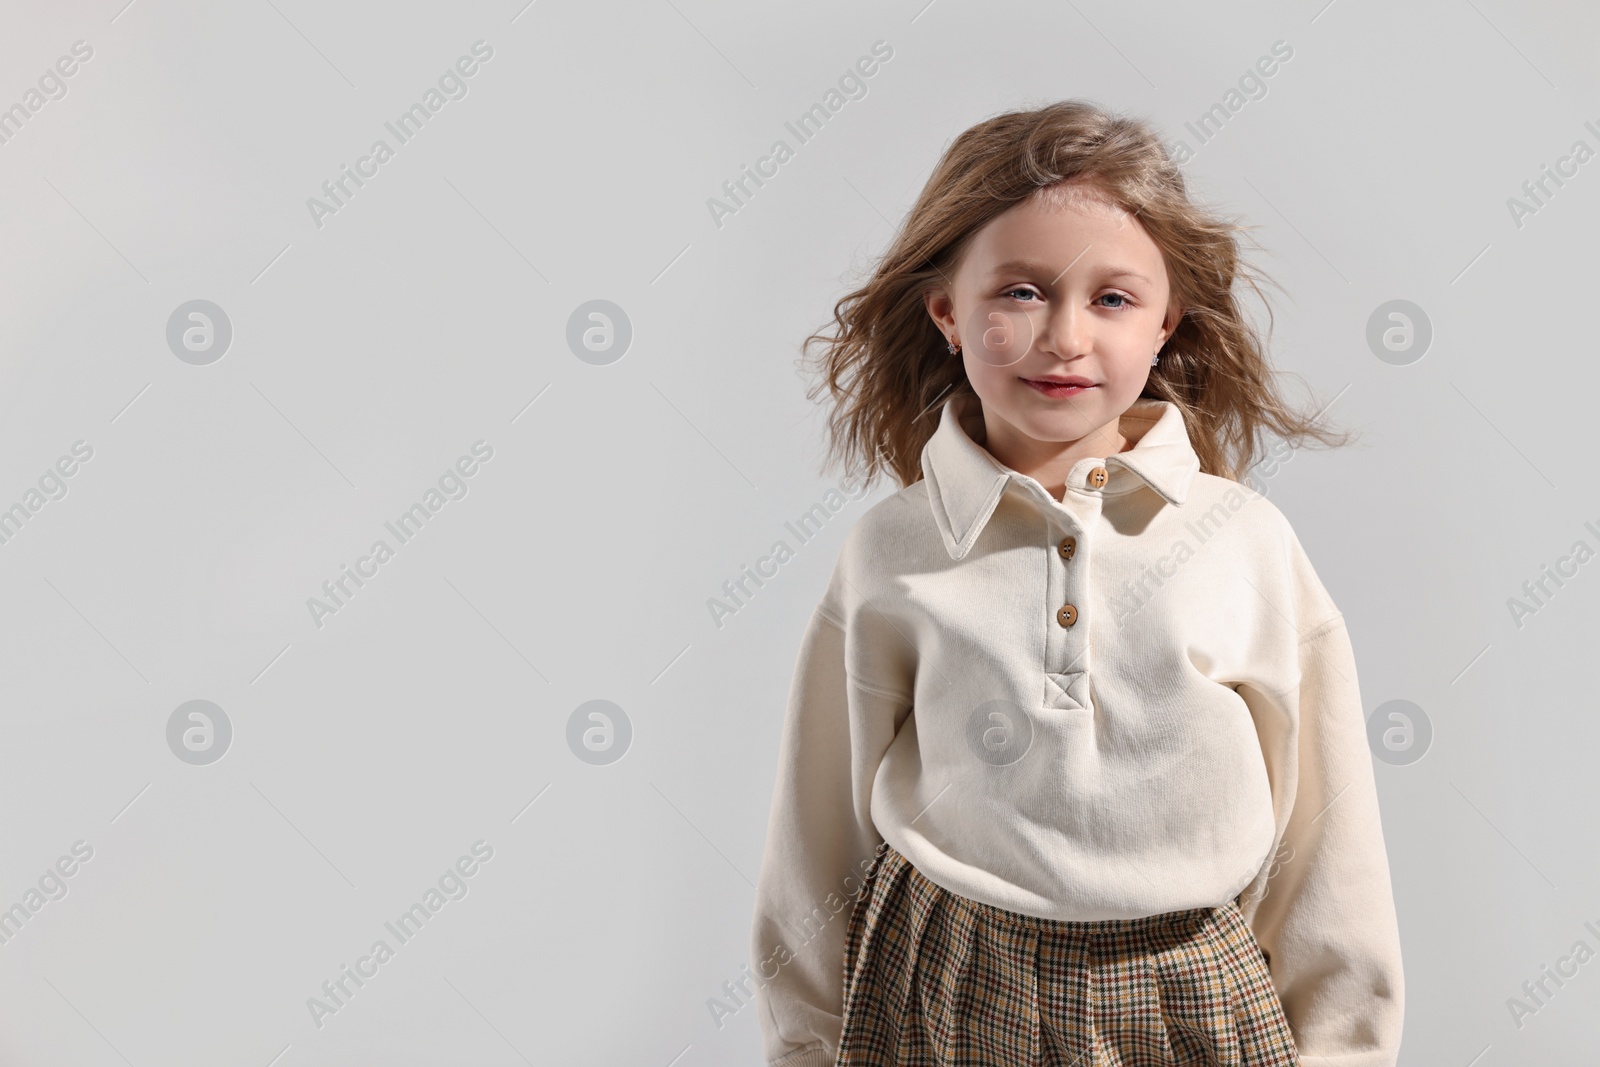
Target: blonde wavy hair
{"type": "Point", "coordinates": [885, 362]}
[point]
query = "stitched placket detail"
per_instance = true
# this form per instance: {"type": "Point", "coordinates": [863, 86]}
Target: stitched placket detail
{"type": "Point", "coordinates": [1066, 651]}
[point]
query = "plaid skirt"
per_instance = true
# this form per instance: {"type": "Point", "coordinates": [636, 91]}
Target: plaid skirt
{"type": "Point", "coordinates": [933, 979]}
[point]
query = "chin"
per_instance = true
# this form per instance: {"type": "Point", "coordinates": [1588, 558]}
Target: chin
{"type": "Point", "coordinates": [1067, 424]}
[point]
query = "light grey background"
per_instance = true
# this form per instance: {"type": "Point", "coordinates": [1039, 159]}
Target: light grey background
{"type": "Point", "coordinates": [431, 312]}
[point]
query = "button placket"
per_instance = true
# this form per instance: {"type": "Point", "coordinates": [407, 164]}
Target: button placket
{"type": "Point", "coordinates": [1065, 676]}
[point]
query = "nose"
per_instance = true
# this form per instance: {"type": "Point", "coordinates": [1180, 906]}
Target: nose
{"type": "Point", "coordinates": [1067, 333]}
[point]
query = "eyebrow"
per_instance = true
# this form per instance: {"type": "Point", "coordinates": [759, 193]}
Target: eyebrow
{"type": "Point", "coordinates": [1028, 266]}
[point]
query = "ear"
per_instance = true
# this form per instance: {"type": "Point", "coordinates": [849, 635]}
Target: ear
{"type": "Point", "coordinates": [1170, 323]}
{"type": "Point", "coordinates": [941, 309]}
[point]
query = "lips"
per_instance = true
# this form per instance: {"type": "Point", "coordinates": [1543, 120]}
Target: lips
{"type": "Point", "coordinates": [1059, 387]}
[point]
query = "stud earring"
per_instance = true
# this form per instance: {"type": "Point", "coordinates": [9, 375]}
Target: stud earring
{"type": "Point", "coordinates": [1155, 359]}
{"type": "Point", "coordinates": [954, 347]}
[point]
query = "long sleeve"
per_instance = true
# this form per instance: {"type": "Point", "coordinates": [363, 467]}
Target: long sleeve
{"type": "Point", "coordinates": [820, 843]}
{"type": "Point", "coordinates": [1324, 909]}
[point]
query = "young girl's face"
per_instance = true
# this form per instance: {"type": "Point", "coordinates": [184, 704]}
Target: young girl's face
{"type": "Point", "coordinates": [1076, 294]}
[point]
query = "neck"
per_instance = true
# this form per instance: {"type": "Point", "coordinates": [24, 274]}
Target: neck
{"type": "Point", "coordinates": [1049, 462]}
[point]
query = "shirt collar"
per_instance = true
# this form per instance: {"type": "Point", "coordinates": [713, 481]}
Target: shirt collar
{"type": "Point", "coordinates": [965, 482]}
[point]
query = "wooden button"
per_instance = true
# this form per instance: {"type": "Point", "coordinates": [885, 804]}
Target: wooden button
{"type": "Point", "coordinates": [1067, 547]}
{"type": "Point", "coordinates": [1097, 477]}
{"type": "Point", "coordinates": [1066, 615]}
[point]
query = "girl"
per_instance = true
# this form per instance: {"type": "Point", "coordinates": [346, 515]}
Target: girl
{"type": "Point", "coordinates": [1075, 723]}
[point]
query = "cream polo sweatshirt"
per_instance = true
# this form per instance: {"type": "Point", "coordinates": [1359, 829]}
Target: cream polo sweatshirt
{"type": "Point", "coordinates": [1134, 700]}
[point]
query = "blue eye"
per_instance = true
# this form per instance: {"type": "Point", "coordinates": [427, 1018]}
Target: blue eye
{"type": "Point", "coordinates": [1033, 297]}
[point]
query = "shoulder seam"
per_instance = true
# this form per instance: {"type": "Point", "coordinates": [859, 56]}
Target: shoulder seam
{"type": "Point", "coordinates": [887, 694]}
{"type": "Point", "coordinates": [876, 690]}
{"type": "Point", "coordinates": [1322, 627]}
{"type": "Point", "coordinates": [830, 617]}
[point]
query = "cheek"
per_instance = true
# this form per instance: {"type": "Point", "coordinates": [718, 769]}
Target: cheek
{"type": "Point", "coordinates": [984, 376]}
{"type": "Point", "coordinates": [1136, 342]}
{"type": "Point", "coordinates": [996, 334]}
{"type": "Point", "coordinates": [1131, 363]}
{"type": "Point", "coordinates": [990, 383]}
{"type": "Point", "coordinates": [1127, 375]}
{"type": "Point", "coordinates": [977, 371]}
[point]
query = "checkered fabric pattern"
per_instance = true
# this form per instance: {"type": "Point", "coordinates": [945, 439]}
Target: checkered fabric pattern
{"type": "Point", "coordinates": [933, 979]}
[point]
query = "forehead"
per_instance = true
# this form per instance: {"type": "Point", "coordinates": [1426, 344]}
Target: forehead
{"type": "Point", "coordinates": [1063, 230]}
{"type": "Point", "coordinates": [1048, 235]}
